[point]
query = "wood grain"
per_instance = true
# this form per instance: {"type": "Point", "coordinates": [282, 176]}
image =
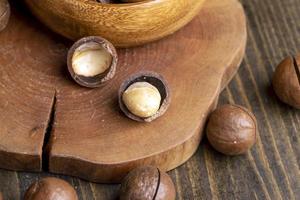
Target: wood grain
{"type": "Point", "coordinates": [25, 108]}
{"type": "Point", "coordinates": [271, 169]}
{"type": "Point", "coordinates": [123, 24]}
{"type": "Point", "coordinates": [92, 140]}
{"type": "Point", "coordinates": [89, 136]}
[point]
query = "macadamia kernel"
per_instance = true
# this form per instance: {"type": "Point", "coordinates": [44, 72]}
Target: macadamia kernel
{"type": "Point", "coordinates": [142, 99]}
{"type": "Point", "coordinates": [91, 60]}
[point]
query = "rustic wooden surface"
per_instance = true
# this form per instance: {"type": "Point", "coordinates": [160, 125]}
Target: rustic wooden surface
{"type": "Point", "coordinates": [87, 135]}
{"type": "Point", "coordinates": [93, 141]}
{"type": "Point", "coordinates": [271, 169]}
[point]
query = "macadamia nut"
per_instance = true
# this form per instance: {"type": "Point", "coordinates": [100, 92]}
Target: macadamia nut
{"type": "Point", "coordinates": [142, 99]}
{"type": "Point", "coordinates": [91, 61]}
{"type": "Point", "coordinates": [232, 129]}
{"type": "Point", "coordinates": [50, 189]}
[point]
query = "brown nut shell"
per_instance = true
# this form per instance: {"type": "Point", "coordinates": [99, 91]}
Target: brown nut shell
{"type": "Point", "coordinates": [50, 189]}
{"type": "Point", "coordinates": [4, 14]}
{"type": "Point", "coordinates": [166, 189]}
{"type": "Point", "coordinates": [157, 81]}
{"type": "Point", "coordinates": [232, 129]}
{"type": "Point", "coordinates": [140, 183]}
{"type": "Point", "coordinates": [147, 183]}
{"type": "Point", "coordinates": [98, 80]}
{"type": "Point", "coordinates": [286, 82]}
{"type": "Point", "coordinates": [1, 196]}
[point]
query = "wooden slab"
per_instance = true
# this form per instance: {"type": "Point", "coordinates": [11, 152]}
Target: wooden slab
{"type": "Point", "coordinates": [89, 136]}
{"type": "Point", "coordinates": [26, 93]}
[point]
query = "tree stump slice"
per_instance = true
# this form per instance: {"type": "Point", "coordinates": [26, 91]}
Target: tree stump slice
{"type": "Point", "coordinates": [47, 119]}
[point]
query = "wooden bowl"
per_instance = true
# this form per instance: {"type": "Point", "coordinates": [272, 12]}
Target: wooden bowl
{"type": "Point", "coordinates": [125, 25]}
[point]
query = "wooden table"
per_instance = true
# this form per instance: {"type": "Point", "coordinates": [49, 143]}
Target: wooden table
{"type": "Point", "coordinates": [271, 169]}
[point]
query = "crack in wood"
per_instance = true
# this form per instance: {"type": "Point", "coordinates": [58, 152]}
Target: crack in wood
{"type": "Point", "coordinates": [46, 147]}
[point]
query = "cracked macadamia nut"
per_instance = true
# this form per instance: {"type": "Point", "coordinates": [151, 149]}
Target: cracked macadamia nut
{"type": "Point", "coordinates": [142, 99]}
{"type": "Point", "coordinates": [92, 61]}
{"type": "Point", "coordinates": [232, 129]}
{"type": "Point", "coordinates": [286, 81]}
{"type": "Point", "coordinates": [147, 183]}
{"type": "Point", "coordinates": [144, 96]}
{"type": "Point", "coordinates": [51, 189]}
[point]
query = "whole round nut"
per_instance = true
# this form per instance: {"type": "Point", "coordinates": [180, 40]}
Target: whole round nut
{"type": "Point", "coordinates": [4, 14]}
{"type": "Point", "coordinates": [142, 99]}
{"type": "Point", "coordinates": [50, 189]}
{"type": "Point", "coordinates": [147, 183]}
{"type": "Point", "coordinates": [232, 129]}
{"type": "Point", "coordinates": [286, 81]}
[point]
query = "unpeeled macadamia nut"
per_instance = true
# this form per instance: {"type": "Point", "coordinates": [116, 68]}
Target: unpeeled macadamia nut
{"type": "Point", "coordinates": [144, 96]}
{"type": "Point", "coordinates": [51, 189]}
{"type": "Point", "coordinates": [232, 129]}
{"type": "Point", "coordinates": [92, 61]}
{"type": "Point", "coordinates": [147, 183]}
{"type": "Point", "coordinates": [286, 81]}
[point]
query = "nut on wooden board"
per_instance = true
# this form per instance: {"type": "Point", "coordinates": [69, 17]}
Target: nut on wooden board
{"type": "Point", "coordinates": [144, 96]}
{"type": "Point", "coordinates": [147, 183]}
{"type": "Point", "coordinates": [232, 129]}
{"type": "Point", "coordinates": [92, 61]}
{"type": "Point", "coordinates": [50, 189]}
{"type": "Point", "coordinates": [142, 99]}
{"type": "Point", "coordinates": [286, 81]}
{"type": "Point", "coordinates": [79, 112]}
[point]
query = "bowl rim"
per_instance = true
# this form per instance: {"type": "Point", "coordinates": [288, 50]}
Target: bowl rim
{"type": "Point", "coordinates": [144, 2]}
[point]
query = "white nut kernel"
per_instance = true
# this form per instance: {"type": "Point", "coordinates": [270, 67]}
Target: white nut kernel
{"type": "Point", "coordinates": [142, 99]}
{"type": "Point", "coordinates": [91, 60]}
